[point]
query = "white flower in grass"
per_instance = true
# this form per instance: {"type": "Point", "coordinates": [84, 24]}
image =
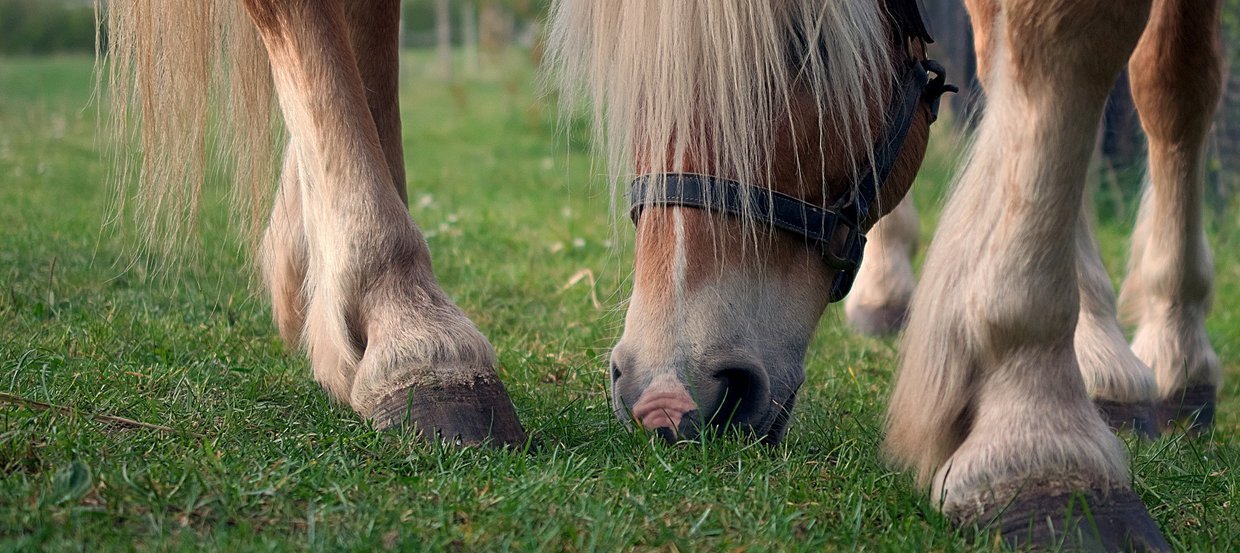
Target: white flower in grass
{"type": "Point", "coordinates": [579, 243]}
{"type": "Point", "coordinates": [59, 124]}
{"type": "Point", "coordinates": [425, 201]}
{"type": "Point", "coordinates": [556, 247]}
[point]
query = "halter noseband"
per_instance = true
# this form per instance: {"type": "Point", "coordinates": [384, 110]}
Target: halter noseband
{"type": "Point", "coordinates": [923, 81]}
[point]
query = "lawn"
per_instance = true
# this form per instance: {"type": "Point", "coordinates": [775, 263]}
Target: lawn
{"type": "Point", "coordinates": [250, 455]}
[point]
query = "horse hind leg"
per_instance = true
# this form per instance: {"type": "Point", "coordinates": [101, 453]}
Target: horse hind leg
{"type": "Point", "coordinates": [1176, 83]}
{"type": "Point", "coordinates": [381, 333]}
{"type": "Point", "coordinates": [989, 407]}
{"type": "Point", "coordinates": [373, 32]}
{"type": "Point", "coordinates": [1121, 385]}
{"type": "Point", "coordinates": [878, 303]}
{"type": "Point", "coordinates": [284, 257]}
{"type": "Point", "coordinates": [283, 252]}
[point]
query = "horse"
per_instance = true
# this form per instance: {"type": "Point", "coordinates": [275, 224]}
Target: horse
{"type": "Point", "coordinates": [762, 142]}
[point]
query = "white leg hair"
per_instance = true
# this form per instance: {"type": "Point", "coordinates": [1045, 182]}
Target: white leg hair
{"type": "Point", "coordinates": [1112, 373]}
{"type": "Point", "coordinates": [376, 318]}
{"type": "Point", "coordinates": [878, 303]}
{"type": "Point", "coordinates": [283, 255]}
{"type": "Point", "coordinates": [1169, 286]}
{"type": "Point", "coordinates": [1168, 291]}
{"type": "Point", "coordinates": [989, 398]}
{"type": "Point", "coordinates": [1176, 78]}
{"type": "Point", "coordinates": [381, 334]}
{"type": "Point", "coordinates": [349, 272]}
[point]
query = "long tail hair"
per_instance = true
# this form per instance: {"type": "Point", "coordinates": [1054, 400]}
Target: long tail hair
{"type": "Point", "coordinates": [687, 77]}
{"type": "Point", "coordinates": [184, 79]}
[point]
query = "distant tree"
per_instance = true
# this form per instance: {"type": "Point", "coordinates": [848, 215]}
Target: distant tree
{"type": "Point", "coordinates": [953, 47]}
{"type": "Point", "coordinates": [1123, 142]}
{"type": "Point", "coordinates": [1226, 163]}
{"type": "Point", "coordinates": [469, 36]}
{"type": "Point", "coordinates": [46, 26]}
{"type": "Point", "coordinates": [420, 17]}
{"type": "Point", "coordinates": [1231, 25]}
{"type": "Point", "coordinates": [443, 36]}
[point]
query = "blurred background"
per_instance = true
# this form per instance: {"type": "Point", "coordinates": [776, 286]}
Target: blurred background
{"type": "Point", "coordinates": [515, 210]}
{"type": "Point", "coordinates": [472, 39]}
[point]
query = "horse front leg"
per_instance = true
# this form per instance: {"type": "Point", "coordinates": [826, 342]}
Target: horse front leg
{"type": "Point", "coordinates": [989, 406]}
{"type": "Point", "coordinates": [381, 333]}
{"type": "Point", "coordinates": [878, 303]}
{"type": "Point", "coordinates": [1176, 82]}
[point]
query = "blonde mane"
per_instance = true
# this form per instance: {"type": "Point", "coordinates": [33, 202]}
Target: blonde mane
{"type": "Point", "coordinates": [670, 80]}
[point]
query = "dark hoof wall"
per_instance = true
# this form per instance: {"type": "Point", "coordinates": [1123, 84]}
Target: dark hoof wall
{"type": "Point", "coordinates": [1075, 521]}
{"type": "Point", "coordinates": [1137, 418]}
{"type": "Point", "coordinates": [466, 413]}
{"type": "Point", "coordinates": [1194, 409]}
{"type": "Point", "coordinates": [878, 322]}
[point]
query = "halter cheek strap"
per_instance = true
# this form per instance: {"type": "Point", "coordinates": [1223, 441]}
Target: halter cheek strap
{"type": "Point", "coordinates": [834, 230]}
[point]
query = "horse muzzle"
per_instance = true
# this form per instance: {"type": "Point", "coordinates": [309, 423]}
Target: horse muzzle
{"type": "Point", "coordinates": [703, 398]}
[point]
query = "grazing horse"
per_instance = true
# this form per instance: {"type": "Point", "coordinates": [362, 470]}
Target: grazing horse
{"type": "Point", "coordinates": [763, 139]}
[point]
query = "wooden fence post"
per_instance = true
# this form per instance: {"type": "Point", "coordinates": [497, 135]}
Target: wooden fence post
{"type": "Point", "coordinates": [443, 34]}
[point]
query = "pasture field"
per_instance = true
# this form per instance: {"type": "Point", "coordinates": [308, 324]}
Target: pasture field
{"type": "Point", "coordinates": [255, 457]}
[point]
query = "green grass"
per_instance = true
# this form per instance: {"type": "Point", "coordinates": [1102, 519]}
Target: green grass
{"type": "Point", "coordinates": [260, 459]}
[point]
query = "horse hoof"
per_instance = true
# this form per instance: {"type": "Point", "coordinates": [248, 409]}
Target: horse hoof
{"type": "Point", "coordinates": [1193, 408]}
{"type": "Point", "coordinates": [878, 322]}
{"type": "Point", "coordinates": [1075, 521]}
{"type": "Point", "coordinates": [1137, 418]}
{"type": "Point", "coordinates": [470, 412]}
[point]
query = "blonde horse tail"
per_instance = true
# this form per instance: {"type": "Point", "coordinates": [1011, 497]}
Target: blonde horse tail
{"type": "Point", "coordinates": [187, 87]}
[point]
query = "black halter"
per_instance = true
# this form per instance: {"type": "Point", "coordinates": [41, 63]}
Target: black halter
{"type": "Point", "coordinates": [922, 81]}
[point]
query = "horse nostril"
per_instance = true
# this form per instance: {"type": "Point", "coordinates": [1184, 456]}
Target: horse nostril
{"type": "Point", "coordinates": [615, 372]}
{"type": "Point", "coordinates": [742, 395]}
